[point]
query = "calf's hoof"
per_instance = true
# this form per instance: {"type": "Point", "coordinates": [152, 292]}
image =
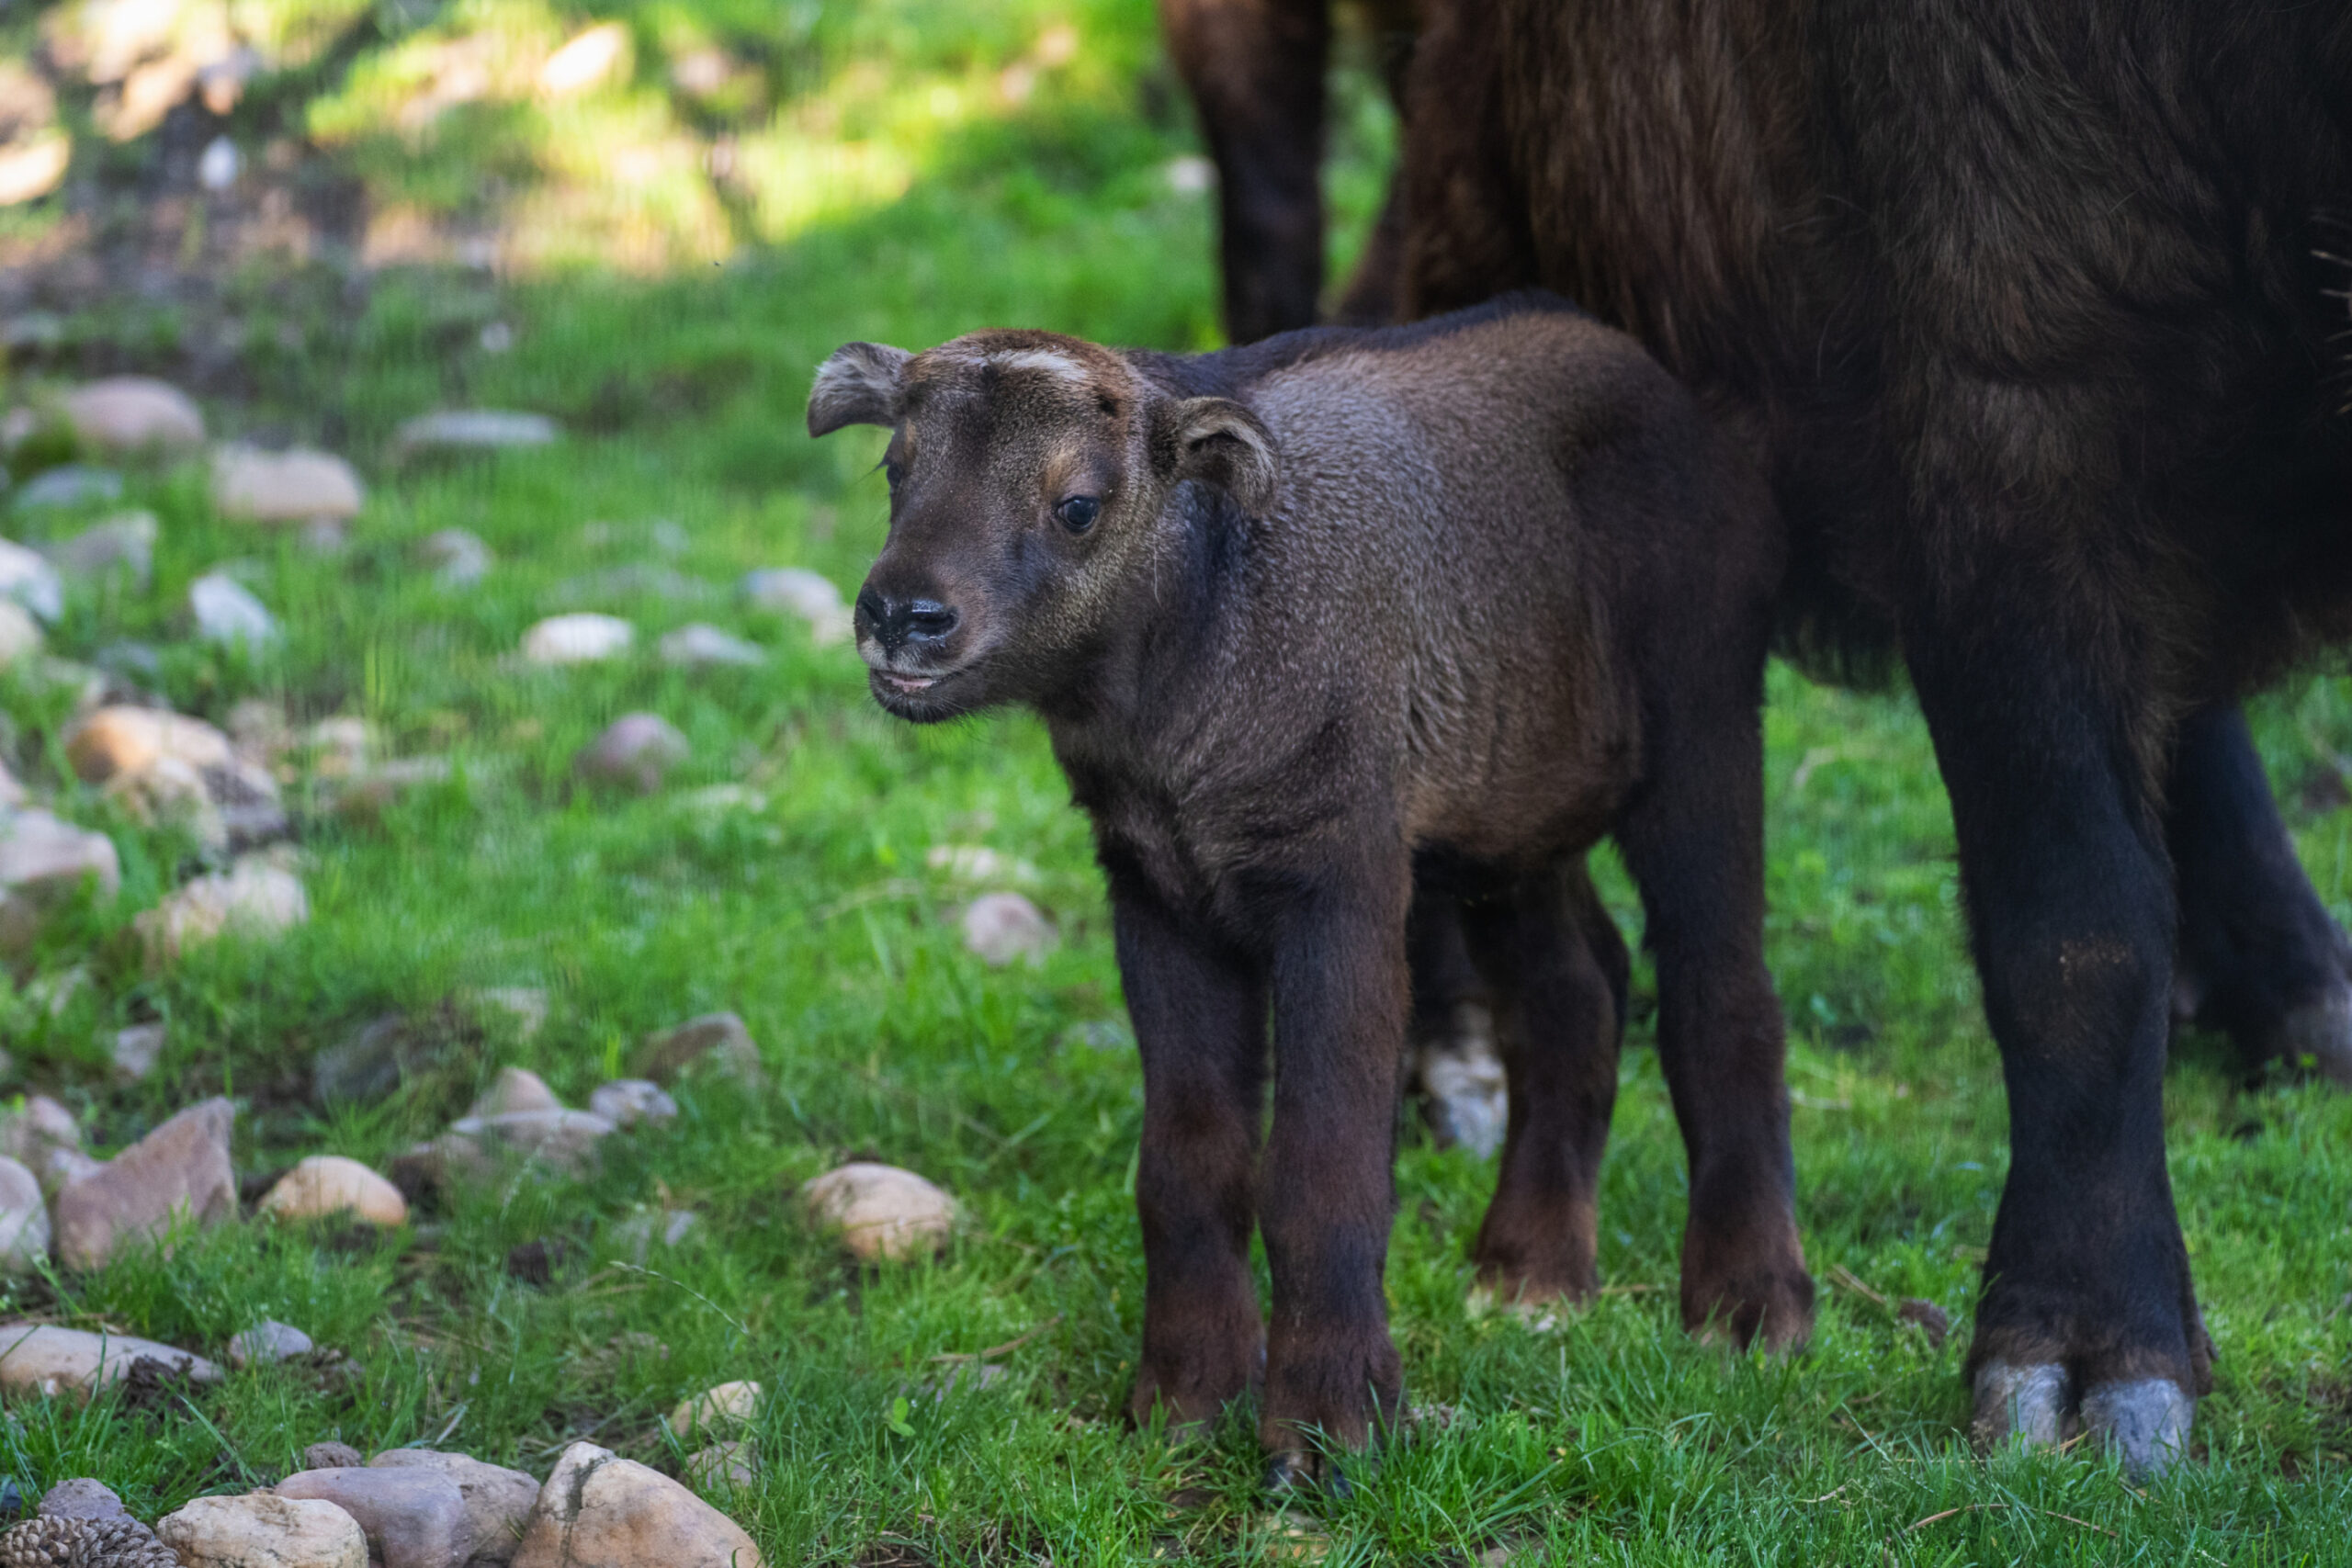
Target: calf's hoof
{"type": "Point", "coordinates": [1773, 1310]}
{"type": "Point", "coordinates": [2143, 1421]}
{"type": "Point", "coordinates": [1293, 1473]}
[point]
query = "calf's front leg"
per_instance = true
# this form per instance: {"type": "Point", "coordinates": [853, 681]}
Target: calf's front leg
{"type": "Point", "coordinates": [1200, 1019]}
{"type": "Point", "coordinates": [1340, 1004]}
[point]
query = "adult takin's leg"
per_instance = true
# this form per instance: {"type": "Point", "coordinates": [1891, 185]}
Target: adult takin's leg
{"type": "Point", "coordinates": [1328, 1194]}
{"type": "Point", "coordinates": [1694, 842]}
{"type": "Point", "coordinates": [2086, 1312]}
{"type": "Point", "coordinates": [1255, 68]}
{"type": "Point", "coordinates": [1556, 968]}
{"type": "Point", "coordinates": [2258, 953]}
{"type": "Point", "coordinates": [1200, 1022]}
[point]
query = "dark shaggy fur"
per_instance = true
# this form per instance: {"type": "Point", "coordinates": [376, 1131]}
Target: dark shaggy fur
{"type": "Point", "coordinates": [1314, 622]}
{"type": "Point", "coordinates": [2021, 303]}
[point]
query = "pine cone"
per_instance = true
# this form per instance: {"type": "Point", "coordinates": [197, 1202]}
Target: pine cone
{"type": "Point", "coordinates": [84, 1543]}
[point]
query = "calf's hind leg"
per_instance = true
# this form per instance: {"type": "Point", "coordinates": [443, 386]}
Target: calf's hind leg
{"type": "Point", "coordinates": [1558, 970]}
{"type": "Point", "coordinates": [1200, 1022]}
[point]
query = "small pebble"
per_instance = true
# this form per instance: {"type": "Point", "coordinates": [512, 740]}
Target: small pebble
{"type": "Point", "coordinates": [267, 1342]}
{"type": "Point", "coordinates": [624, 1102]}
{"type": "Point", "coordinates": [1001, 927]}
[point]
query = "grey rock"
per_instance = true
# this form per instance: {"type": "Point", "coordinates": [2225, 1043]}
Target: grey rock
{"type": "Point", "coordinates": [255, 899]}
{"type": "Point", "coordinates": [1001, 927]}
{"type": "Point", "coordinates": [81, 1499]}
{"type": "Point", "coordinates": [638, 580]}
{"type": "Point", "coordinates": [514, 1088]}
{"type": "Point", "coordinates": [44, 861]}
{"type": "Point", "coordinates": [27, 579]}
{"type": "Point", "coordinates": [624, 1102]}
{"type": "Point", "coordinates": [268, 1341]}
{"type": "Point", "coordinates": [480, 429]}
{"type": "Point", "coordinates": [701, 645]}
{"type": "Point", "coordinates": [476, 1148]}
{"type": "Point", "coordinates": [331, 1455]}
{"type": "Point", "coordinates": [28, 1136]}
{"type": "Point", "coordinates": [635, 751]}
{"type": "Point", "coordinates": [458, 558]}
{"type": "Point", "coordinates": [136, 1050]}
{"type": "Point", "coordinates": [226, 612]}
{"type": "Point", "coordinates": [70, 485]}
{"type": "Point", "coordinates": [412, 1517]}
{"type": "Point", "coordinates": [370, 1064]}
{"type": "Point", "coordinates": [497, 1500]}
{"type": "Point", "coordinates": [24, 1220]}
{"type": "Point", "coordinates": [180, 1170]}
{"type": "Point", "coordinates": [122, 543]}
{"type": "Point", "coordinates": [718, 1041]}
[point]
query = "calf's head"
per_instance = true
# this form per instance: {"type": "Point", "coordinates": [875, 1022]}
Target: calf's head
{"type": "Point", "coordinates": [1030, 481]}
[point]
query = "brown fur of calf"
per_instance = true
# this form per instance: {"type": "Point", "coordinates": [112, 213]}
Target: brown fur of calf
{"type": "Point", "coordinates": [1310, 620]}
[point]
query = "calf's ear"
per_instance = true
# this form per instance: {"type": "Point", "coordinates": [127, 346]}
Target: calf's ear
{"type": "Point", "coordinates": [863, 383]}
{"type": "Point", "coordinates": [1219, 442]}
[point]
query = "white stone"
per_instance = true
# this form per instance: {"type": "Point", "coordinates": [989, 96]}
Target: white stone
{"type": "Point", "coordinates": [132, 413]}
{"type": "Point", "coordinates": [27, 579]}
{"type": "Point", "coordinates": [1001, 927]}
{"type": "Point", "coordinates": [731, 1466]}
{"type": "Point", "coordinates": [326, 1185]}
{"type": "Point", "coordinates": [720, 1411]}
{"type": "Point", "coordinates": [700, 645]}
{"type": "Point", "coordinates": [796, 590]}
{"type": "Point", "coordinates": [634, 750]}
{"type": "Point", "coordinates": [581, 639]}
{"type": "Point", "coordinates": [514, 1088]}
{"type": "Point", "coordinates": [483, 428]}
{"type": "Point", "coordinates": [298, 486]}
{"type": "Point", "coordinates": [267, 1342]}
{"type": "Point", "coordinates": [225, 611]}
{"type": "Point", "coordinates": [136, 1050]}
{"type": "Point", "coordinates": [260, 1531]}
{"type": "Point", "coordinates": [458, 558]}
{"type": "Point", "coordinates": [624, 1102]}
{"type": "Point", "coordinates": [24, 1220]}
{"type": "Point", "coordinates": [217, 165]}
{"type": "Point", "coordinates": [255, 899]}
{"type": "Point", "coordinates": [19, 632]}
{"type": "Point", "coordinates": [48, 1362]}
{"type": "Point", "coordinates": [598, 1510]}
{"type": "Point", "coordinates": [413, 1518]}
{"type": "Point", "coordinates": [28, 1135]}
{"type": "Point", "coordinates": [586, 61]}
{"type": "Point", "coordinates": [879, 1210]}
{"type": "Point", "coordinates": [718, 1039]}
{"type": "Point", "coordinates": [43, 862]}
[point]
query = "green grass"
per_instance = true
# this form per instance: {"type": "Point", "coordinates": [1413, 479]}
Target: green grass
{"type": "Point", "coordinates": [809, 908]}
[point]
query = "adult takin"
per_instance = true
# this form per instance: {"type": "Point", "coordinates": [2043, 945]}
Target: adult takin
{"type": "Point", "coordinates": [1309, 622]}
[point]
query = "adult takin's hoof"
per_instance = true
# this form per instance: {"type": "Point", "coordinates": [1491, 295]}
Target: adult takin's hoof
{"type": "Point", "coordinates": [2143, 1421]}
{"type": "Point", "coordinates": [1770, 1309]}
{"type": "Point", "coordinates": [2317, 1036]}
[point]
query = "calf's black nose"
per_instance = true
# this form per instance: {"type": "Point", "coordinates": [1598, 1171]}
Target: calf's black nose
{"type": "Point", "coordinates": [896, 623]}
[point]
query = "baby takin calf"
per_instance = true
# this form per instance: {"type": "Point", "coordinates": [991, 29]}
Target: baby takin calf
{"type": "Point", "coordinates": [1307, 621]}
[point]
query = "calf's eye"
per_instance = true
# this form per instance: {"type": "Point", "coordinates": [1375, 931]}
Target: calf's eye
{"type": "Point", "coordinates": [1077, 514]}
